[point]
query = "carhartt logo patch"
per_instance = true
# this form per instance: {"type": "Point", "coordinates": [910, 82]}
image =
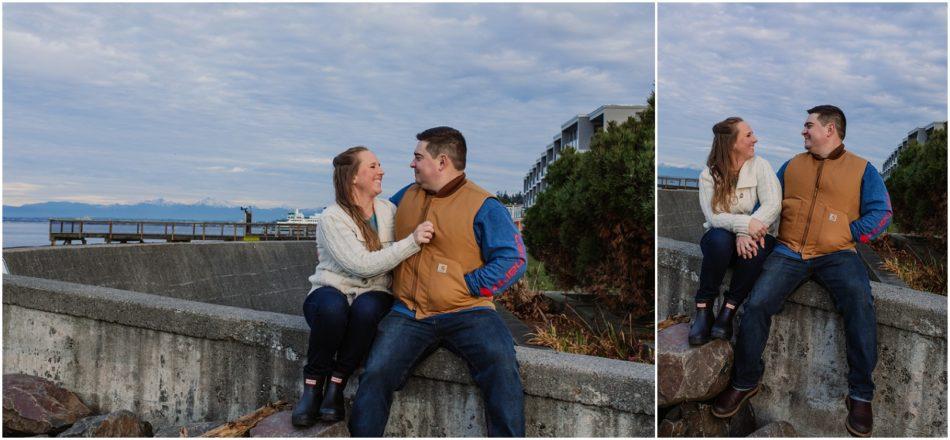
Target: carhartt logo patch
{"type": "Point", "coordinates": [832, 218]}
{"type": "Point", "coordinates": [441, 268]}
{"type": "Point", "coordinates": [310, 382]}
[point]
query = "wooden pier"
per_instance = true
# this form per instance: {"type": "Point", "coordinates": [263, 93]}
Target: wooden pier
{"type": "Point", "coordinates": [668, 182]}
{"type": "Point", "coordinates": [125, 231]}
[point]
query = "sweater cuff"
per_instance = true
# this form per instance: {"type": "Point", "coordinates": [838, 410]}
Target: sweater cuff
{"type": "Point", "coordinates": [741, 224]}
{"type": "Point", "coordinates": [408, 247]}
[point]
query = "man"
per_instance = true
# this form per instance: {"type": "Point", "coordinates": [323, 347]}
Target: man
{"type": "Point", "coordinates": [444, 292]}
{"type": "Point", "coordinates": [831, 199]}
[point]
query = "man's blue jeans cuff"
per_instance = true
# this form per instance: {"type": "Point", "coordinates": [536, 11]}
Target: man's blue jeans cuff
{"type": "Point", "coordinates": [853, 397]}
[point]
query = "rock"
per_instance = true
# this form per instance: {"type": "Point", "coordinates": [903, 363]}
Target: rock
{"type": "Point", "coordinates": [776, 429]}
{"type": "Point", "coordinates": [695, 419]}
{"type": "Point", "coordinates": [191, 429]}
{"type": "Point", "coordinates": [33, 405]}
{"type": "Point", "coordinates": [690, 373]}
{"type": "Point", "coordinates": [115, 424]}
{"type": "Point", "coordinates": [743, 423]}
{"type": "Point", "coordinates": [278, 425]}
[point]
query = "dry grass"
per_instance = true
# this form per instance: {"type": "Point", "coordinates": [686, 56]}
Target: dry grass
{"type": "Point", "coordinates": [671, 321]}
{"type": "Point", "coordinates": [926, 277]}
{"type": "Point", "coordinates": [565, 334]}
{"type": "Point", "coordinates": [929, 278]}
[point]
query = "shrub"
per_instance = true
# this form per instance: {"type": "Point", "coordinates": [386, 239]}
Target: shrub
{"type": "Point", "coordinates": [592, 227]}
{"type": "Point", "coordinates": [918, 187]}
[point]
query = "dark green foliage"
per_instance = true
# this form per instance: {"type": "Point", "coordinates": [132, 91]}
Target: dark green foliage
{"type": "Point", "coordinates": [593, 224]}
{"type": "Point", "coordinates": [918, 187]}
{"type": "Point", "coordinates": [510, 199]}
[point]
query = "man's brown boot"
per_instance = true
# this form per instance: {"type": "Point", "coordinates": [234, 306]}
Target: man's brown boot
{"type": "Point", "coordinates": [729, 401]}
{"type": "Point", "coordinates": [860, 418]}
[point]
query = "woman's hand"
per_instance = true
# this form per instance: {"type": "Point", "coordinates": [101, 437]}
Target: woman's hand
{"type": "Point", "coordinates": [757, 229]}
{"type": "Point", "coordinates": [423, 232]}
{"type": "Point", "coordinates": [746, 247]}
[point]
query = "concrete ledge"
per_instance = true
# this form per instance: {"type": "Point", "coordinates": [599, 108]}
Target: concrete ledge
{"type": "Point", "coordinates": [620, 393]}
{"type": "Point", "coordinates": [805, 379]}
{"type": "Point", "coordinates": [253, 275]}
{"type": "Point", "coordinates": [899, 307]}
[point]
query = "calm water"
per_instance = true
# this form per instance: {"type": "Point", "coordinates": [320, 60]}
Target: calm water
{"type": "Point", "coordinates": [18, 234]}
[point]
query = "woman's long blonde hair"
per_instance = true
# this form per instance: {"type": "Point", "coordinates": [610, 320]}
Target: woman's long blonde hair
{"type": "Point", "coordinates": [720, 163]}
{"type": "Point", "coordinates": [345, 166]}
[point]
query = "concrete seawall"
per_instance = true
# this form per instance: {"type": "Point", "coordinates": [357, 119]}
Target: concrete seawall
{"type": "Point", "coordinates": [192, 355]}
{"type": "Point", "coordinates": [805, 380]}
{"type": "Point", "coordinates": [267, 276]}
{"type": "Point", "coordinates": [678, 215]}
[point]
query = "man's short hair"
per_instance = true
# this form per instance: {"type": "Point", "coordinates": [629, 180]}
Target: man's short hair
{"type": "Point", "coordinates": [445, 140]}
{"type": "Point", "coordinates": [830, 113]}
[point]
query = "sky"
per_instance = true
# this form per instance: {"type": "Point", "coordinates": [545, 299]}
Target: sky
{"type": "Point", "coordinates": [248, 103]}
{"type": "Point", "coordinates": [884, 65]}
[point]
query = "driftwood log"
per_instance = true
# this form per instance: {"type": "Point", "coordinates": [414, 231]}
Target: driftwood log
{"type": "Point", "coordinates": [240, 427]}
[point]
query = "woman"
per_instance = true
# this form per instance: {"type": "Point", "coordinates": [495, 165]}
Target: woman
{"type": "Point", "coordinates": [740, 197]}
{"type": "Point", "coordinates": [356, 248]}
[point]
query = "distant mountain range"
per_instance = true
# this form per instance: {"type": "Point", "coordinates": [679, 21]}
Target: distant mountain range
{"type": "Point", "coordinates": [671, 171]}
{"type": "Point", "coordinates": [204, 210]}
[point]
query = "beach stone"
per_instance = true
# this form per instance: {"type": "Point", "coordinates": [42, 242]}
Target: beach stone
{"type": "Point", "coordinates": [689, 373]}
{"type": "Point", "coordinates": [743, 423]}
{"type": "Point", "coordinates": [191, 429]}
{"type": "Point", "coordinates": [776, 429]}
{"type": "Point", "coordinates": [278, 425]}
{"type": "Point", "coordinates": [33, 405]}
{"type": "Point", "coordinates": [115, 424]}
{"type": "Point", "coordinates": [695, 419]}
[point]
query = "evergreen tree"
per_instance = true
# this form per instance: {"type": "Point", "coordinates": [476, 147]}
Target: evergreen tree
{"type": "Point", "coordinates": [512, 199]}
{"type": "Point", "coordinates": [918, 187]}
{"type": "Point", "coordinates": [593, 224]}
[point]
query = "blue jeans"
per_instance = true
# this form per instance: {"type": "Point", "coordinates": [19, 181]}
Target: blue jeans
{"type": "Point", "coordinates": [843, 275]}
{"type": "Point", "coordinates": [341, 329]}
{"type": "Point", "coordinates": [719, 253]}
{"type": "Point", "coordinates": [479, 337]}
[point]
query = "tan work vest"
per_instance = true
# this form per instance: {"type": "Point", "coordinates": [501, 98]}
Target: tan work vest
{"type": "Point", "coordinates": [821, 199]}
{"type": "Point", "coordinates": [433, 280]}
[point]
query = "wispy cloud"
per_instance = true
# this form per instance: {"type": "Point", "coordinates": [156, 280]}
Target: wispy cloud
{"type": "Point", "coordinates": [251, 101]}
{"type": "Point", "coordinates": [885, 65]}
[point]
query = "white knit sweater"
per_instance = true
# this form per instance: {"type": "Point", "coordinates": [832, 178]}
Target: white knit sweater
{"type": "Point", "coordinates": [346, 264]}
{"type": "Point", "coordinates": [757, 183]}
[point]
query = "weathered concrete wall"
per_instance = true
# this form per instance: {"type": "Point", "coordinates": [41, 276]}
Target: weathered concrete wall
{"type": "Point", "coordinates": [678, 215]}
{"type": "Point", "coordinates": [805, 380]}
{"type": "Point", "coordinates": [177, 360]}
{"type": "Point", "coordinates": [267, 276]}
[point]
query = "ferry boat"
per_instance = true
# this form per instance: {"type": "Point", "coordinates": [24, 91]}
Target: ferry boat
{"type": "Point", "coordinates": [297, 218]}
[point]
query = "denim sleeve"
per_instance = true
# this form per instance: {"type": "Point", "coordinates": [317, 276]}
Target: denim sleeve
{"type": "Point", "coordinates": [781, 175]}
{"type": "Point", "coordinates": [876, 208]}
{"type": "Point", "coordinates": [396, 198]}
{"type": "Point", "coordinates": [502, 251]}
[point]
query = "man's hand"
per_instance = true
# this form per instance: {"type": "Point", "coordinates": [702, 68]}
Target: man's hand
{"type": "Point", "coordinates": [757, 229]}
{"type": "Point", "coordinates": [746, 247]}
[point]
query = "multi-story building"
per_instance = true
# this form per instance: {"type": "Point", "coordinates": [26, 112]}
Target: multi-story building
{"type": "Point", "coordinates": [918, 135]}
{"type": "Point", "coordinates": [517, 214]}
{"type": "Point", "coordinates": [576, 133]}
